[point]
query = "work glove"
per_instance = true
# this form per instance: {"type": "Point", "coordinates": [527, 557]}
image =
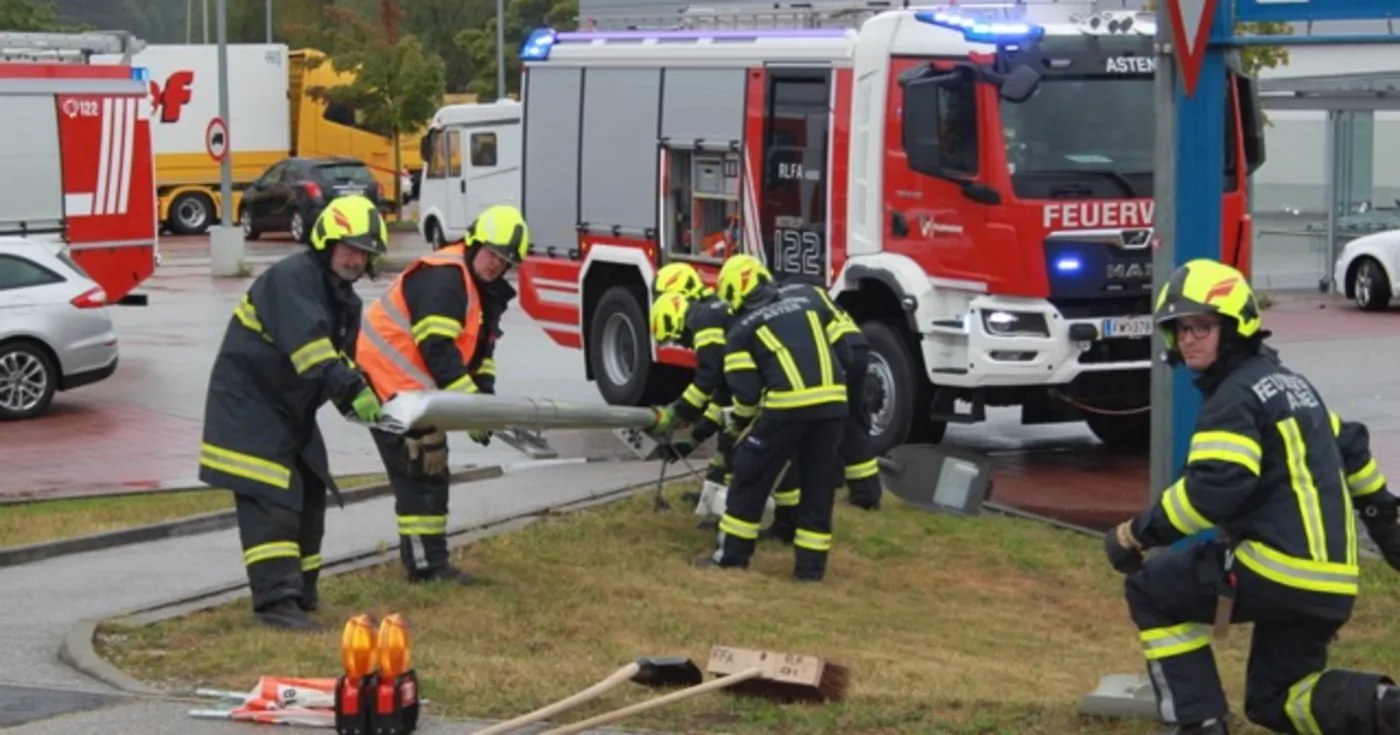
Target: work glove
{"type": "Point", "coordinates": [366, 406]}
{"type": "Point", "coordinates": [480, 436]}
{"type": "Point", "coordinates": [1387, 538]}
{"type": "Point", "coordinates": [1122, 548]}
{"type": "Point", "coordinates": [680, 449]}
{"type": "Point", "coordinates": [427, 453]}
{"type": "Point", "coordinates": [666, 420]}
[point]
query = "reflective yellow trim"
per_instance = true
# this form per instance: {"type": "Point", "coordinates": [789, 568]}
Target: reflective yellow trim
{"type": "Point", "coordinates": [787, 498]}
{"type": "Point", "coordinates": [1366, 480]}
{"type": "Point", "coordinates": [271, 550]}
{"type": "Point", "coordinates": [1304, 574]}
{"type": "Point", "coordinates": [709, 336]}
{"type": "Point", "coordinates": [464, 384]}
{"type": "Point", "coordinates": [790, 399]}
{"type": "Point", "coordinates": [311, 563]}
{"type": "Point", "coordinates": [1183, 515]}
{"type": "Point", "coordinates": [741, 360]}
{"type": "Point", "coordinates": [785, 361]}
{"type": "Point", "coordinates": [839, 328]}
{"type": "Point", "coordinates": [823, 354]}
{"type": "Point", "coordinates": [245, 466]}
{"type": "Point", "coordinates": [1301, 480]}
{"type": "Point", "coordinates": [738, 528]}
{"type": "Point", "coordinates": [695, 397]}
{"type": "Point", "coordinates": [812, 540]}
{"type": "Point", "coordinates": [422, 525]}
{"type": "Point", "coordinates": [714, 412]}
{"type": "Point", "coordinates": [313, 353]}
{"type": "Point", "coordinates": [862, 470]}
{"type": "Point", "coordinates": [1299, 705]}
{"type": "Point", "coordinates": [1225, 446]}
{"type": "Point", "coordinates": [1336, 423]}
{"type": "Point", "coordinates": [744, 410]}
{"type": "Point", "coordinates": [1176, 640]}
{"type": "Point", "coordinates": [487, 367]}
{"type": "Point", "coordinates": [436, 326]}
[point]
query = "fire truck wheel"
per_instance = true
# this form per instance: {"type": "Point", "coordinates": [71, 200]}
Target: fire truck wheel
{"type": "Point", "coordinates": [898, 397]}
{"type": "Point", "coordinates": [28, 380]}
{"type": "Point", "coordinates": [1122, 432]}
{"type": "Point", "coordinates": [190, 214]}
{"type": "Point", "coordinates": [619, 350]}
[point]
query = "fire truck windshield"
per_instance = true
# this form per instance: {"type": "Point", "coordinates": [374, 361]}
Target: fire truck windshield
{"type": "Point", "coordinates": [1082, 136]}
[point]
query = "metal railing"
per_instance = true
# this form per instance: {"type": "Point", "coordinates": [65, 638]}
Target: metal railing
{"type": "Point", "coordinates": [819, 15]}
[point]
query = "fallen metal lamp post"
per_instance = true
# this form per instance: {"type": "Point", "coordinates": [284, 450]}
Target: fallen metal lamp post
{"type": "Point", "coordinates": [452, 411]}
{"type": "Point", "coordinates": [936, 478]}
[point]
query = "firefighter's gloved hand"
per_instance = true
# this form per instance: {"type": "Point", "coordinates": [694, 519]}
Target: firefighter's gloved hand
{"type": "Point", "coordinates": [666, 420]}
{"type": "Point", "coordinates": [427, 453]}
{"type": "Point", "coordinates": [1122, 548]}
{"type": "Point", "coordinates": [480, 436]}
{"type": "Point", "coordinates": [680, 449]}
{"type": "Point", "coordinates": [1387, 538]}
{"type": "Point", "coordinates": [366, 406]}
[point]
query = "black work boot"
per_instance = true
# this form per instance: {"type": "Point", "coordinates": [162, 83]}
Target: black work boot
{"type": "Point", "coordinates": [1209, 727]}
{"type": "Point", "coordinates": [733, 553]}
{"type": "Point", "coordinates": [783, 533]}
{"type": "Point", "coordinates": [286, 614]}
{"type": "Point", "coordinates": [810, 565]}
{"type": "Point", "coordinates": [446, 573]}
{"type": "Point", "coordinates": [310, 597]}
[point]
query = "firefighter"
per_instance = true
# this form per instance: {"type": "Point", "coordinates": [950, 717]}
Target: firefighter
{"type": "Point", "coordinates": [1264, 469]}
{"type": "Point", "coordinates": [699, 321]}
{"type": "Point", "coordinates": [786, 357]}
{"type": "Point", "coordinates": [436, 328]}
{"type": "Point", "coordinates": [283, 354]}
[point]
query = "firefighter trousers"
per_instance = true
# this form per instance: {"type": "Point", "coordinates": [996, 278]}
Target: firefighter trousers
{"type": "Point", "coordinates": [1288, 687]}
{"type": "Point", "coordinates": [861, 469]}
{"type": "Point", "coordinates": [758, 461]}
{"type": "Point", "coordinates": [718, 470]}
{"type": "Point", "coordinates": [281, 547]}
{"type": "Point", "coordinates": [420, 504]}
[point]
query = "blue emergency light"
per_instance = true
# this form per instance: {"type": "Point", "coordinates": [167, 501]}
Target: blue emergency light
{"type": "Point", "coordinates": [979, 31]}
{"type": "Point", "coordinates": [1068, 264]}
{"type": "Point", "coordinates": [140, 73]}
{"type": "Point", "coordinates": [537, 46]}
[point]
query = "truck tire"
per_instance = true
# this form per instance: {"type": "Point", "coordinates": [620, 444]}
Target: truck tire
{"type": "Point", "coordinates": [191, 214]}
{"type": "Point", "coordinates": [896, 392]}
{"type": "Point", "coordinates": [1122, 432]}
{"type": "Point", "coordinates": [619, 349]}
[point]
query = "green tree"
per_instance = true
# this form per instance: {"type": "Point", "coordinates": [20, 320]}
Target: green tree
{"type": "Point", "coordinates": [32, 16]}
{"type": "Point", "coordinates": [522, 17]}
{"type": "Point", "coordinates": [398, 84]}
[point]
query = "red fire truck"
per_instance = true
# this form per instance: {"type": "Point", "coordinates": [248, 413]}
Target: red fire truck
{"type": "Point", "coordinates": [77, 157]}
{"type": "Point", "coordinates": [977, 193]}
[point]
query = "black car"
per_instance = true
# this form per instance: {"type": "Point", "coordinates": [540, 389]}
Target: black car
{"type": "Point", "coordinates": [289, 196]}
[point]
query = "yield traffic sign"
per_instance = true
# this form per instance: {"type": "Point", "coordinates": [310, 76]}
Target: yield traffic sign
{"type": "Point", "coordinates": [216, 139]}
{"type": "Point", "coordinates": [1191, 21]}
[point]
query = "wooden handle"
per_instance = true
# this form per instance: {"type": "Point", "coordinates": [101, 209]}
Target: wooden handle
{"type": "Point", "coordinates": [614, 680]}
{"type": "Point", "coordinates": [651, 704]}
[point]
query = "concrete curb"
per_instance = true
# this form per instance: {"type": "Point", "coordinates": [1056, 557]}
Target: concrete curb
{"type": "Point", "coordinates": [78, 650]}
{"type": "Point", "coordinates": [190, 525]}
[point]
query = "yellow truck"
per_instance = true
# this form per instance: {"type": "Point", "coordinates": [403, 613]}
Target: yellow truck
{"type": "Point", "coordinates": [273, 114]}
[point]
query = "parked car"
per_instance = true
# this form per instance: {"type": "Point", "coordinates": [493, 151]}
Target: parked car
{"type": "Point", "coordinates": [1368, 270]}
{"type": "Point", "coordinates": [290, 195]}
{"type": "Point", "coordinates": [55, 331]}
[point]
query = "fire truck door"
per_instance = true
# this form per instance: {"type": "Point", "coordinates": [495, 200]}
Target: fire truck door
{"type": "Point", "coordinates": [792, 208]}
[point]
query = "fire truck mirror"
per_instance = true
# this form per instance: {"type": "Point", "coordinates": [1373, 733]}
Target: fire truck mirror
{"type": "Point", "coordinates": [1020, 84]}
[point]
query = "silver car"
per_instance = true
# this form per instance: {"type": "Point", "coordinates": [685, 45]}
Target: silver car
{"type": "Point", "coordinates": [55, 331]}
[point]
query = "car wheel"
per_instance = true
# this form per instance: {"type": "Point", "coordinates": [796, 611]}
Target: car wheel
{"type": "Point", "coordinates": [1371, 286]}
{"type": "Point", "coordinates": [245, 219]}
{"type": "Point", "coordinates": [28, 380]}
{"type": "Point", "coordinates": [298, 226]}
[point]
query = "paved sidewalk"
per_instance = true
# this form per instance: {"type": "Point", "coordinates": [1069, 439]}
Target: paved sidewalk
{"type": "Point", "coordinates": [42, 601]}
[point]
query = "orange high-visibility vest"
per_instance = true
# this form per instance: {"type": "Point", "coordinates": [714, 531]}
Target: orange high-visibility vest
{"type": "Point", "coordinates": [386, 349]}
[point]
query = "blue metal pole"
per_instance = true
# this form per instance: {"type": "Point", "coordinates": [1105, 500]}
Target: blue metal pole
{"type": "Point", "coordinates": [1200, 129]}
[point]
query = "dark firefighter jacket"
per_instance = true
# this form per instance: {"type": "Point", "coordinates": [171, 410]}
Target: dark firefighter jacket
{"type": "Point", "coordinates": [706, 323]}
{"type": "Point", "coordinates": [1365, 481]}
{"type": "Point", "coordinates": [788, 356]}
{"type": "Point", "coordinates": [1265, 469]}
{"type": "Point", "coordinates": [860, 347]}
{"type": "Point", "coordinates": [280, 360]}
{"type": "Point", "coordinates": [438, 291]}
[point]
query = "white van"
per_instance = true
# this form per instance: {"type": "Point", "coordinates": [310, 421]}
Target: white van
{"type": "Point", "coordinates": [454, 188]}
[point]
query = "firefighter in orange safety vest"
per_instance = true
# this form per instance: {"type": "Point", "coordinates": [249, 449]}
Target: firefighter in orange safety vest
{"type": "Point", "coordinates": [436, 328]}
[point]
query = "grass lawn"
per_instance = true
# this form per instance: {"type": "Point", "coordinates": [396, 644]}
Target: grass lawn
{"type": "Point", "coordinates": [956, 626]}
{"type": "Point", "coordinates": [50, 520]}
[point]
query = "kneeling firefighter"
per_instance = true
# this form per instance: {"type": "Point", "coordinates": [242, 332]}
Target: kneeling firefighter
{"type": "Point", "coordinates": [1264, 469]}
{"type": "Point", "coordinates": [283, 354]}
{"type": "Point", "coordinates": [436, 328]}
{"type": "Point", "coordinates": [698, 321]}
{"type": "Point", "coordinates": [785, 356]}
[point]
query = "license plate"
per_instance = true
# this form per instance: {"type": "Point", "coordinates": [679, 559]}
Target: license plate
{"type": "Point", "coordinates": [1127, 327]}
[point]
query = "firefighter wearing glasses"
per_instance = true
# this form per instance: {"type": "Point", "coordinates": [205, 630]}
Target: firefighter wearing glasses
{"type": "Point", "coordinates": [283, 354]}
{"type": "Point", "coordinates": [436, 328]}
{"type": "Point", "coordinates": [785, 357]}
{"type": "Point", "coordinates": [698, 321]}
{"type": "Point", "coordinates": [1265, 469]}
